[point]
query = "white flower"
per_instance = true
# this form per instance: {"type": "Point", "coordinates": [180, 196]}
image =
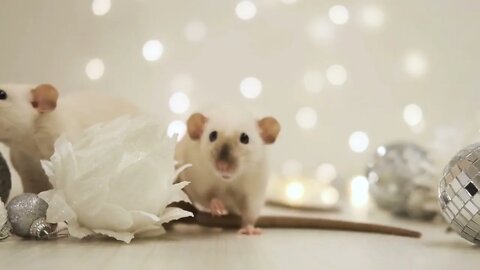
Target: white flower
{"type": "Point", "coordinates": [116, 179]}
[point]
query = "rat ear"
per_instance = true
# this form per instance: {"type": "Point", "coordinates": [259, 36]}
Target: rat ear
{"type": "Point", "coordinates": [269, 129]}
{"type": "Point", "coordinates": [44, 98]}
{"type": "Point", "coordinates": [195, 124]}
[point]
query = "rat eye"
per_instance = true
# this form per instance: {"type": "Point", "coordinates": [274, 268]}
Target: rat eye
{"type": "Point", "coordinates": [244, 138]}
{"type": "Point", "coordinates": [3, 95]}
{"type": "Point", "coordinates": [213, 136]}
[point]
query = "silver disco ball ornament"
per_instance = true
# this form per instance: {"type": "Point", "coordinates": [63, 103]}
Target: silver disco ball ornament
{"type": "Point", "coordinates": [458, 193]}
{"type": "Point", "coordinates": [403, 181]}
{"type": "Point", "coordinates": [26, 214]}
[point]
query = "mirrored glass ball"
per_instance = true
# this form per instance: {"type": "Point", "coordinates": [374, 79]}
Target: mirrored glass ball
{"type": "Point", "coordinates": [402, 181]}
{"type": "Point", "coordinates": [23, 211]}
{"type": "Point", "coordinates": [458, 193]}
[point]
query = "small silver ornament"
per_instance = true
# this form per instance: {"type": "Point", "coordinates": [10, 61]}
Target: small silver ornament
{"type": "Point", "coordinates": [402, 181]}
{"type": "Point", "coordinates": [458, 193]}
{"type": "Point", "coordinates": [5, 180]}
{"type": "Point", "coordinates": [26, 214]}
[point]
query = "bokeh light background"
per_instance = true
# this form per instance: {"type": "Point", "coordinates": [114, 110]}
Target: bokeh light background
{"type": "Point", "coordinates": [343, 77]}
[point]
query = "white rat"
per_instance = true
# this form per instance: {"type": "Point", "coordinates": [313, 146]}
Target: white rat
{"type": "Point", "coordinates": [32, 117]}
{"type": "Point", "coordinates": [229, 174]}
{"type": "Point", "coordinates": [229, 170]}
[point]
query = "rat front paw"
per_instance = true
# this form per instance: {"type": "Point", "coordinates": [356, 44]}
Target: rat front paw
{"type": "Point", "coordinates": [217, 208]}
{"type": "Point", "coordinates": [250, 230]}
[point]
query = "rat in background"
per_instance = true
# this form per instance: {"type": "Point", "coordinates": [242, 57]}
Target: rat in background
{"type": "Point", "coordinates": [229, 172]}
{"type": "Point", "coordinates": [229, 175]}
{"type": "Point", "coordinates": [32, 117]}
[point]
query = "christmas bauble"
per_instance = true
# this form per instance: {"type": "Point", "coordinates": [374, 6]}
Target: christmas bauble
{"type": "Point", "coordinates": [402, 181]}
{"type": "Point", "coordinates": [26, 214]}
{"type": "Point", "coordinates": [458, 193]}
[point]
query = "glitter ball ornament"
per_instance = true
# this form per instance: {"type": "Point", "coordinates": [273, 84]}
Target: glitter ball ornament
{"type": "Point", "coordinates": [402, 181]}
{"type": "Point", "coordinates": [26, 214]}
{"type": "Point", "coordinates": [458, 193]}
{"type": "Point", "coordinates": [5, 180]}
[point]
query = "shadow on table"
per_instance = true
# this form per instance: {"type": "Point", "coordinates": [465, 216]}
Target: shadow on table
{"type": "Point", "coordinates": [464, 245]}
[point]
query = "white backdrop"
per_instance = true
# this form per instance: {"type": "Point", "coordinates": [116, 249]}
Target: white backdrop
{"type": "Point", "coordinates": [355, 67]}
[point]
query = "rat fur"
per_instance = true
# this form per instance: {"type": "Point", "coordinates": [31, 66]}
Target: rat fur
{"type": "Point", "coordinates": [229, 173]}
{"type": "Point", "coordinates": [32, 118]}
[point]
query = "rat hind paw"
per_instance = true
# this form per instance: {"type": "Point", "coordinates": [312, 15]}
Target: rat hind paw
{"type": "Point", "coordinates": [217, 208]}
{"type": "Point", "coordinates": [250, 230]}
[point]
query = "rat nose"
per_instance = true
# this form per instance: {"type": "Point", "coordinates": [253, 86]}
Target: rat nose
{"type": "Point", "coordinates": [224, 153]}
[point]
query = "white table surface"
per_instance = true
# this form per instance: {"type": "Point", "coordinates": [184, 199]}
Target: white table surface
{"type": "Point", "coordinates": [194, 248]}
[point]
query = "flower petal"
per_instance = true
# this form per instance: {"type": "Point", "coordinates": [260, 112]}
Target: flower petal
{"type": "Point", "coordinates": [177, 194]}
{"type": "Point", "coordinates": [122, 236]}
{"type": "Point", "coordinates": [146, 194]}
{"type": "Point", "coordinates": [142, 219]}
{"type": "Point", "coordinates": [115, 180]}
{"type": "Point", "coordinates": [98, 161]}
{"type": "Point", "coordinates": [173, 213]}
{"type": "Point", "coordinates": [58, 210]}
{"type": "Point", "coordinates": [63, 161]}
{"type": "Point", "coordinates": [77, 231]}
{"type": "Point", "coordinates": [89, 195]}
{"type": "Point", "coordinates": [108, 217]}
{"type": "Point", "coordinates": [47, 195]}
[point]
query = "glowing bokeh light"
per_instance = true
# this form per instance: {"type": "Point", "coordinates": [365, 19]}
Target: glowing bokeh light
{"type": "Point", "coordinates": [152, 50]}
{"type": "Point", "coordinates": [359, 141]}
{"type": "Point", "coordinates": [320, 30]}
{"type": "Point", "coordinates": [412, 115]}
{"type": "Point", "coordinates": [95, 69]}
{"type": "Point", "coordinates": [381, 151]}
{"type": "Point", "coordinates": [415, 64]}
{"type": "Point", "coordinates": [329, 195]}
{"type": "Point", "coordinates": [251, 87]}
{"type": "Point", "coordinates": [294, 191]}
{"type": "Point", "coordinates": [359, 191]}
{"type": "Point", "coordinates": [246, 10]}
{"type": "Point", "coordinates": [101, 7]}
{"type": "Point", "coordinates": [373, 17]}
{"type": "Point", "coordinates": [306, 118]}
{"type": "Point", "coordinates": [179, 103]}
{"type": "Point", "coordinates": [336, 75]}
{"type": "Point", "coordinates": [338, 14]}
{"type": "Point", "coordinates": [177, 128]}
{"type": "Point", "coordinates": [326, 173]}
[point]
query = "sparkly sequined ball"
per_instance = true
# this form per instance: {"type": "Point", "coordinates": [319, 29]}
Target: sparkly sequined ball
{"type": "Point", "coordinates": [26, 214]}
{"type": "Point", "coordinates": [403, 182]}
{"type": "Point", "coordinates": [458, 193]}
